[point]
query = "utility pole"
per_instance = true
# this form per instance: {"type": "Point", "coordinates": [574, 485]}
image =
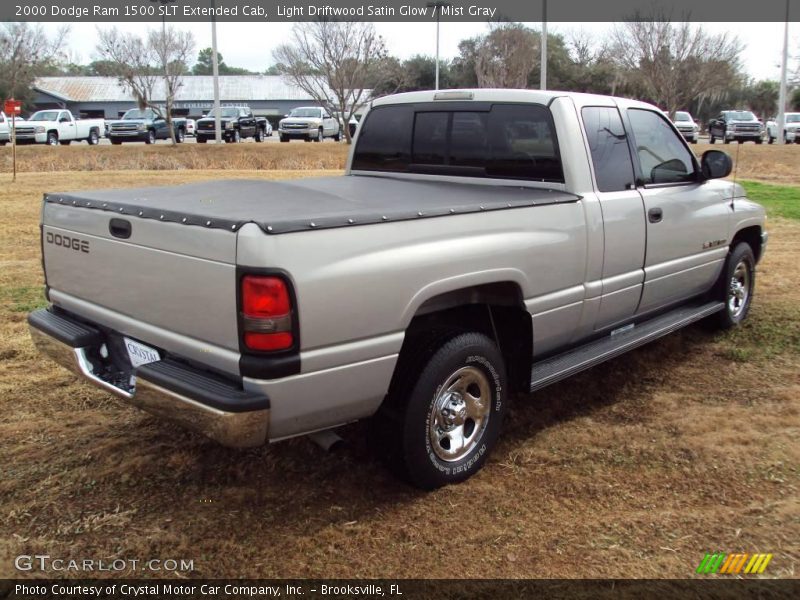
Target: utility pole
{"type": "Point", "coordinates": [437, 9]}
{"type": "Point", "coordinates": [543, 72]}
{"type": "Point", "coordinates": [215, 73]}
{"type": "Point", "coordinates": [782, 93]}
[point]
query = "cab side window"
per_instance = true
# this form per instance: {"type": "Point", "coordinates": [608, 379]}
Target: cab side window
{"type": "Point", "coordinates": [608, 144]}
{"type": "Point", "coordinates": [663, 157]}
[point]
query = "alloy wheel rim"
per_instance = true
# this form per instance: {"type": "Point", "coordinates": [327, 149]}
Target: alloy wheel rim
{"type": "Point", "coordinates": [460, 414]}
{"type": "Point", "coordinates": [739, 290]}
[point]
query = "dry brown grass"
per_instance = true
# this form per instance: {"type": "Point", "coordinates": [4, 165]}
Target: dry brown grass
{"type": "Point", "coordinates": [635, 468]}
{"type": "Point", "coordinates": [770, 163]}
{"type": "Point", "coordinates": [162, 157]}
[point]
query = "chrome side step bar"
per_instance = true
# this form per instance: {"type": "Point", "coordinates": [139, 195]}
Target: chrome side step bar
{"type": "Point", "coordinates": [584, 357]}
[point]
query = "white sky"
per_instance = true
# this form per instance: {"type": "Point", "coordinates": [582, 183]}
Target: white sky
{"type": "Point", "coordinates": [250, 45]}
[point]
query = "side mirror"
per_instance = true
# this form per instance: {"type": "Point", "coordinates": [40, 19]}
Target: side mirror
{"type": "Point", "coordinates": [63, 120]}
{"type": "Point", "coordinates": [716, 164]}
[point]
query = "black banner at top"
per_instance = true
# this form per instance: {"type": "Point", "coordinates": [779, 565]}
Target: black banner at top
{"type": "Point", "coordinates": [398, 10]}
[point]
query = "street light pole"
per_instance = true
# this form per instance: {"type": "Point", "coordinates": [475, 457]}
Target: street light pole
{"type": "Point", "coordinates": [543, 72]}
{"type": "Point", "coordinates": [782, 93]}
{"type": "Point", "coordinates": [437, 9]}
{"type": "Point", "coordinates": [215, 73]}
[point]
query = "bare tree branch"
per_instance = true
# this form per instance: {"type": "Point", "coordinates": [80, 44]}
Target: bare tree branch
{"type": "Point", "coordinates": [25, 49]}
{"type": "Point", "coordinates": [676, 62]}
{"type": "Point", "coordinates": [140, 64]}
{"type": "Point", "coordinates": [334, 62]}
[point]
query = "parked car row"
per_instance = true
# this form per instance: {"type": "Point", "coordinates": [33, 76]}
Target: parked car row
{"type": "Point", "coordinates": [54, 127]}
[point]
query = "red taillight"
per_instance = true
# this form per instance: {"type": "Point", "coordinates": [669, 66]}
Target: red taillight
{"type": "Point", "coordinates": [266, 313]}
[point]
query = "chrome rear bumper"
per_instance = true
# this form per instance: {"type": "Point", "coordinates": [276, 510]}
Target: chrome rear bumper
{"type": "Point", "coordinates": [170, 391]}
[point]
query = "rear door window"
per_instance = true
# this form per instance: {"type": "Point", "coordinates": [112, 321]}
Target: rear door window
{"type": "Point", "coordinates": [608, 144]}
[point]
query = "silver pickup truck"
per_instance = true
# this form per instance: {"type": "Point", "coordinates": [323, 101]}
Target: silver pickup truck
{"type": "Point", "coordinates": [481, 243]}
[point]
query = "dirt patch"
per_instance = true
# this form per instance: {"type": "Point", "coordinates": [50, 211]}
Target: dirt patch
{"type": "Point", "coordinates": [635, 468]}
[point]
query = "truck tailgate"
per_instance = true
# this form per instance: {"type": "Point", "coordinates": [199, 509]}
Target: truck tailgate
{"type": "Point", "coordinates": [166, 283]}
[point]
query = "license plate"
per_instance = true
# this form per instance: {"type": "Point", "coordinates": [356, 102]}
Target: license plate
{"type": "Point", "coordinates": [140, 354]}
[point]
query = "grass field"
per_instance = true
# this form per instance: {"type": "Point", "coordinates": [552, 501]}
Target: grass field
{"type": "Point", "coordinates": [633, 469]}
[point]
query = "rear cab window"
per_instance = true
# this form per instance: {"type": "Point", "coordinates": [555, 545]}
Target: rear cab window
{"type": "Point", "coordinates": [502, 141]}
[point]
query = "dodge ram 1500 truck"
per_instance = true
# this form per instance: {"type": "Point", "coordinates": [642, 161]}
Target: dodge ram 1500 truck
{"type": "Point", "coordinates": [481, 243]}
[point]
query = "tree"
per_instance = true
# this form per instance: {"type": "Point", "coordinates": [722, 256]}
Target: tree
{"type": "Point", "coordinates": [141, 64]}
{"type": "Point", "coordinates": [762, 97]}
{"type": "Point", "coordinates": [26, 51]}
{"type": "Point", "coordinates": [204, 66]}
{"type": "Point", "coordinates": [505, 57]}
{"type": "Point", "coordinates": [336, 63]}
{"type": "Point", "coordinates": [674, 63]}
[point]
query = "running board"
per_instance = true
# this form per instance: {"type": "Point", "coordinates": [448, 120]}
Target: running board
{"type": "Point", "coordinates": [618, 342]}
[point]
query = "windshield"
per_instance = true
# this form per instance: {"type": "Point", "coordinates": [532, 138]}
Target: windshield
{"type": "Point", "coordinates": [229, 113]}
{"type": "Point", "coordinates": [793, 118]}
{"type": "Point", "coordinates": [45, 115]}
{"type": "Point", "coordinates": [136, 113]}
{"type": "Point", "coordinates": [306, 112]}
{"type": "Point", "coordinates": [683, 116]}
{"type": "Point", "coordinates": [741, 115]}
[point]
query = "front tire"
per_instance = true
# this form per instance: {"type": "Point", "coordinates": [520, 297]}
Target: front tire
{"type": "Point", "coordinates": [736, 286]}
{"type": "Point", "coordinates": [52, 139]}
{"type": "Point", "coordinates": [180, 136]}
{"type": "Point", "coordinates": [320, 135]}
{"type": "Point", "coordinates": [259, 135]}
{"type": "Point", "coordinates": [712, 139]}
{"type": "Point", "coordinates": [444, 410]}
{"type": "Point", "coordinates": [151, 137]}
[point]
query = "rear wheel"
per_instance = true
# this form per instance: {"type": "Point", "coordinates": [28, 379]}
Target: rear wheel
{"type": "Point", "coordinates": [201, 140]}
{"type": "Point", "coordinates": [65, 142]}
{"type": "Point", "coordinates": [444, 410]}
{"type": "Point", "coordinates": [735, 286]}
{"type": "Point", "coordinates": [93, 138]}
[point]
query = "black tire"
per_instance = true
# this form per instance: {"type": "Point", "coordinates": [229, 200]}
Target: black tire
{"type": "Point", "coordinates": [283, 138]}
{"type": "Point", "coordinates": [735, 287]}
{"type": "Point", "coordinates": [419, 422]}
{"type": "Point", "coordinates": [180, 136]}
{"type": "Point", "coordinates": [151, 137]}
{"type": "Point", "coordinates": [770, 140]}
{"type": "Point", "coordinates": [726, 141]}
{"type": "Point", "coordinates": [694, 140]}
{"type": "Point", "coordinates": [712, 139]}
{"type": "Point", "coordinates": [234, 138]}
{"type": "Point", "coordinates": [3, 143]}
{"type": "Point", "coordinates": [759, 141]}
{"type": "Point", "coordinates": [116, 142]}
{"type": "Point", "coordinates": [320, 135]}
{"type": "Point", "coordinates": [201, 140]}
{"type": "Point", "coordinates": [259, 137]}
{"type": "Point", "coordinates": [52, 138]}
{"type": "Point", "coordinates": [65, 142]}
{"type": "Point", "coordinates": [337, 137]}
{"type": "Point", "coordinates": [94, 138]}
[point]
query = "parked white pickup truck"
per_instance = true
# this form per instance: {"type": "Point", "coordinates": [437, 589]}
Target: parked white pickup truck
{"type": "Point", "coordinates": [55, 127]}
{"type": "Point", "coordinates": [482, 243]}
{"type": "Point", "coordinates": [791, 129]}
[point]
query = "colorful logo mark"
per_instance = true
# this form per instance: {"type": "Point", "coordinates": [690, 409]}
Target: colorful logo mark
{"type": "Point", "coordinates": [734, 564]}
